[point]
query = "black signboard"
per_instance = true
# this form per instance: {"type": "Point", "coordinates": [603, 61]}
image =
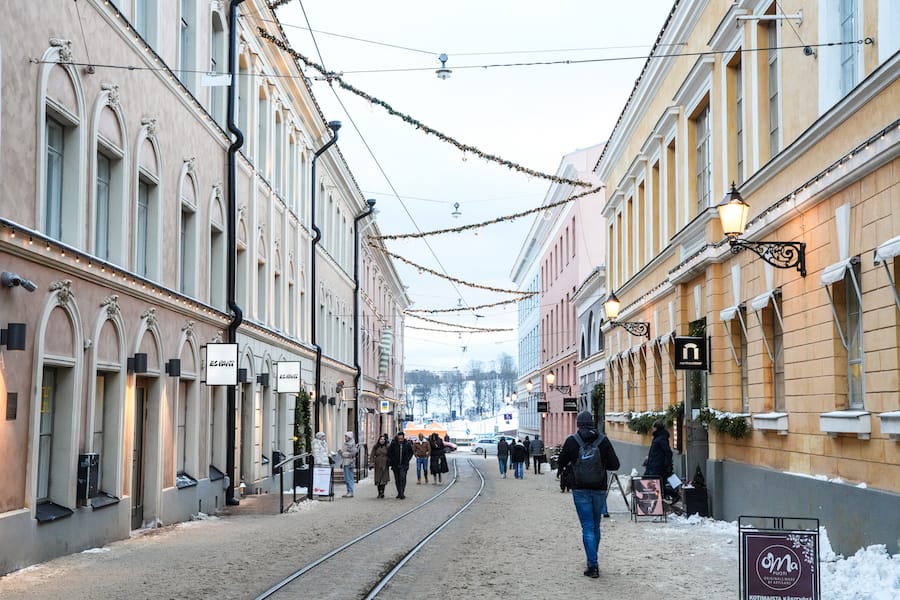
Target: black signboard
{"type": "Point", "coordinates": [543, 406]}
{"type": "Point", "coordinates": [570, 404]}
{"type": "Point", "coordinates": [779, 562]}
{"type": "Point", "coordinates": [691, 353]}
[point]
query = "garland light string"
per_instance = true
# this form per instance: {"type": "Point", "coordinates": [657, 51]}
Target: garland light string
{"type": "Point", "coordinates": [413, 311]}
{"type": "Point", "coordinates": [520, 293]}
{"type": "Point", "coordinates": [463, 328]}
{"type": "Point", "coordinates": [451, 330]}
{"type": "Point", "coordinates": [333, 76]}
{"type": "Point", "coordinates": [401, 236]}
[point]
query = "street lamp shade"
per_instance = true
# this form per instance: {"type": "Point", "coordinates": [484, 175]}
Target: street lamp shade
{"type": "Point", "coordinates": [551, 378]}
{"type": "Point", "coordinates": [514, 396]}
{"type": "Point", "coordinates": [611, 306]}
{"type": "Point", "coordinates": [529, 386]}
{"type": "Point", "coordinates": [733, 213]}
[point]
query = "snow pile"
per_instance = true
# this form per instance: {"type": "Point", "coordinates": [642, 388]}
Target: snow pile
{"type": "Point", "coordinates": [303, 506]}
{"type": "Point", "coordinates": [95, 551]}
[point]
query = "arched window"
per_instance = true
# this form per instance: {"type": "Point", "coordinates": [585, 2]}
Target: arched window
{"type": "Point", "coordinates": [109, 206]}
{"type": "Point", "coordinates": [218, 64]}
{"type": "Point", "coordinates": [147, 207]}
{"type": "Point", "coordinates": [187, 43]}
{"type": "Point", "coordinates": [187, 233]}
{"type": "Point", "coordinates": [217, 255]}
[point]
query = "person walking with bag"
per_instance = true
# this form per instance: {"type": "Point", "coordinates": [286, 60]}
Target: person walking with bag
{"type": "Point", "coordinates": [422, 449]}
{"type": "Point", "coordinates": [378, 458]}
{"type": "Point", "coordinates": [502, 455]}
{"type": "Point", "coordinates": [348, 459]}
{"type": "Point", "coordinates": [591, 455]}
{"type": "Point", "coordinates": [400, 452]}
{"type": "Point", "coordinates": [659, 463]}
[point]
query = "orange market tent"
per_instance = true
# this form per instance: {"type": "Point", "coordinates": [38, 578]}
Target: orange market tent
{"type": "Point", "coordinates": [414, 429]}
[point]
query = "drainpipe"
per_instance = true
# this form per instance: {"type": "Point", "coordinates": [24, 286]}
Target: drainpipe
{"type": "Point", "coordinates": [356, 377]}
{"type": "Point", "coordinates": [334, 126]}
{"type": "Point", "coordinates": [236, 312]}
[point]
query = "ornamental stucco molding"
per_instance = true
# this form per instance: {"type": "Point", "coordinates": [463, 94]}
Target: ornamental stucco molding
{"type": "Point", "coordinates": [149, 316]}
{"type": "Point", "coordinates": [65, 49]}
{"type": "Point", "coordinates": [150, 124]}
{"type": "Point", "coordinates": [63, 290]}
{"type": "Point", "coordinates": [111, 303]}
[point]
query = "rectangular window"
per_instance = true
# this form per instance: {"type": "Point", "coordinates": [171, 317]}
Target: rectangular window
{"type": "Point", "coordinates": [773, 88]}
{"type": "Point", "coordinates": [703, 157]}
{"type": "Point", "coordinates": [261, 292]}
{"type": "Point", "coordinates": [854, 332]}
{"type": "Point", "coordinates": [45, 433]}
{"type": "Point", "coordinates": [778, 354]}
{"type": "Point", "coordinates": [141, 229]}
{"type": "Point", "coordinates": [185, 39]}
{"type": "Point", "coordinates": [142, 18]}
{"type": "Point", "coordinates": [101, 218]}
{"type": "Point", "coordinates": [743, 354]}
{"type": "Point", "coordinates": [53, 200]}
{"type": "Point", "coordinates": [849, 50]}
{"type": "Point", "coordinates": [737, 81]}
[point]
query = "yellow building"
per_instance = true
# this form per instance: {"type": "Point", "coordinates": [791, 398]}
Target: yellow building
{"type": "Point", "coordinates": [795, 103]}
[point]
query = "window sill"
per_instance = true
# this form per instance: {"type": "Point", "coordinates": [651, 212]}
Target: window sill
{"type": "Point", "coordinates": [771, 421]}
{"type": "Point", "coordinates": [47, 512]}
{"type": "Point", "coordinates": [183, 480]}
{"type": "Point", "coordinates": [890, 424]}
{"type": "Point", "coordinates": [846, 421]}
{"type": "Point", "coordinates": [103, 500]}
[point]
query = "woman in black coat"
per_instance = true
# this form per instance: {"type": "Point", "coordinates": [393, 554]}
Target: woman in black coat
{"type": "Point", "coordinates": [659, 460]}
{"type": "Point", "coordinates": [438, 459]}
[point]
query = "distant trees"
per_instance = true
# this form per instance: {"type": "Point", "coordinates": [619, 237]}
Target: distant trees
{"type": "Point", "coordinates": [471, 393]}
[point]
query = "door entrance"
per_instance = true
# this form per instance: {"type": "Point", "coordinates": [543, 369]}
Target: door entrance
{"type": "Point", "coordinates": [696, 436]}
{"type": "Point", "coordinates": [137, 457]}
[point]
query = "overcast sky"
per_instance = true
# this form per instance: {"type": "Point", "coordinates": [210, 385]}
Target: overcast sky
{"type": "Point", "coordinates": [531, 115]}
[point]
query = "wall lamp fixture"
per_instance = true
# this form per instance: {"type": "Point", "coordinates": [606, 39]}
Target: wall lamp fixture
{"type": "Point", "coordinates": [551, 380]}
{"type": "Point", "coordinates": [263, 379]}
{"type": "Point", "coordinates": [529, 386]}
{"type": "Point", "coordinates": [173, 367]}
{"type": "Point", "coordinates": [13, 337]}
{"type": "Point", "coordinates": [733, 213]}
{"type": "Point", "coordinates": [137, 363]}
{"type": "Point", "coordinates": [611, 306]}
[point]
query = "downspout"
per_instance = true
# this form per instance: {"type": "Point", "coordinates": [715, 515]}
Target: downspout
{"type": "Point", "coordinates": [357, 376]}
{"type": "Point", "coordinates": [334, 126]}
{"type": "Point", "coordinates": [237, 313]}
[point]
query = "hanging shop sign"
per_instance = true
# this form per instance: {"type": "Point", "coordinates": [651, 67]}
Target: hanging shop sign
{"type": "Point", "coordinates": [384, 406]}
{"type": "Point", "coordinates": [570, 404]}
{"type": "Point", "coordinates": [287, 377]}
{"type": "Point", "coordinates": [691, 353]}
{"type": "Point", "coordinates": [779, 558]}
{"type": "Point", "coordinates": [221, 364]}
{"type": "Point", "coordinates": [543, 406]}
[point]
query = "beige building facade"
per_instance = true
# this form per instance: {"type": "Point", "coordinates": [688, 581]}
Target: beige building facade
{"type": "Point", "coordinates": [113, 239]}
{"type": "Point", "coordinates": [795, 102]}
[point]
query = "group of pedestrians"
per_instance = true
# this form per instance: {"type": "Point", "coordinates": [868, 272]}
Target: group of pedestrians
{"type": "Point", "coordinates": [395, 457]}
{"type": "Point", "coordinates": [516, 453]}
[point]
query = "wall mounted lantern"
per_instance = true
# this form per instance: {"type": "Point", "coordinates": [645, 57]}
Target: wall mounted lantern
{"type": "Point", "coordinates": [137, 363]}
{"type": "Point", "coordinates": [611, 306]}
{"type": "Point", "coordinates": [733, 213]}
{"type": "Point", "coordinates": [173, 367]}
{"type": "Point", "coordinates": [13, 337]}
{"type": "Point", "coordinates": [551, 380]}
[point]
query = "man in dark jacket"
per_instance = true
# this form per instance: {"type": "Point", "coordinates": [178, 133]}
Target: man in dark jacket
{"type": "Point", "coordinates": [590, 501]}
{"type": "Point", "coordinates": [400, 452]}
{"type": "Point", "coordinates": [536, 449]}
{"type": "Point", "coordinates": [503, 455]}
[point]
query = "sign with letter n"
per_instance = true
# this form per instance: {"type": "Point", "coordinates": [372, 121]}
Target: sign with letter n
{"type": "Point", "coordinates": [779, 558]}
{"type": "Point", "coordinates": [691, 353]}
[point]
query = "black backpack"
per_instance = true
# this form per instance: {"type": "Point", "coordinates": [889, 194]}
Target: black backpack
{"type": "Point", "coordinates": [588, 467]}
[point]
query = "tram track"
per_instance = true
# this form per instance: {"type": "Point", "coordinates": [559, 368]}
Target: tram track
{"type": "Point", "coordinates": [373, 579]}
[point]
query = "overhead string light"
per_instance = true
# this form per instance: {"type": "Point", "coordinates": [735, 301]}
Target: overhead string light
{"type": "Point", "coordinates": [450, 330]}
{"type": "Point", "coordinates": [525, 213]}
{"type": "Point", "coordinates": [331, 76]}
{"type": "Point", "coordinates": [413, 311]}
{"type": "Point", "coordinates": [461, 328]}
{"type": "Point", "coordinates": [424, 269]}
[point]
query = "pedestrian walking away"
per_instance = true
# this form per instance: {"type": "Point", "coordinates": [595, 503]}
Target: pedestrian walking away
{"type": "Point", "coordinates": [518, 455]}
{"type": "Point", "coordinates": [502, 455]}
{"type": "Point", "coordinates": [378, 459]}
{"type": "Point", "coordinates": [422, 449]}
{"type": "Point", "coordinates": [591, 456]}
{"type": "Point", "coordinates": [659, 463]}
{"type": "Point", "coordinates": [348, 460]}
{"type": "Point", "coordinates": [438, 459]}
{"type": "Point", "coordinates": [527, 444]}
{"type": "Point", "coordinates": [537, 453]}
{"type": "Point", "coordinates": [400, 452]}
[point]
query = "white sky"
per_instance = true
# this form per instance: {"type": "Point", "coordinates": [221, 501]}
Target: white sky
{"type": "Point", "coordinates": [531, 115]}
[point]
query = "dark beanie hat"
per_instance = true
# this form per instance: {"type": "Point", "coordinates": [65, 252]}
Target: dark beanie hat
{"type": "Point", "coordinates": [585, 419]}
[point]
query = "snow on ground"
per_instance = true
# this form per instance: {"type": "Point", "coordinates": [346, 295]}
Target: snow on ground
{"type": "Point", "coordinates": [870, 574]}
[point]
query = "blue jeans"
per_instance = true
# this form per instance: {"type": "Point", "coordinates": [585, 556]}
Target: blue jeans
{"type": "Point", "coordinates": [422, 467]}
{"type": "Point", "coordinates": [518, 469]}
{"type": "Point", "coordinates": [590, 506]}
{"type": "Point", "coordinates": [502, 462]}
{"type": "Point", "coordinates": [348, 477]}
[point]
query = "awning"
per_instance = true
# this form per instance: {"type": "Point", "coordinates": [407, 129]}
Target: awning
{"type": "Point", "coordinates": [834, 273]}
{"type": "Point", "coordinates": [888, 250]}
{"type": "Point", "coordinates": [727, 314]}
{"type": "Point", "coordinates": [761, 301]}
